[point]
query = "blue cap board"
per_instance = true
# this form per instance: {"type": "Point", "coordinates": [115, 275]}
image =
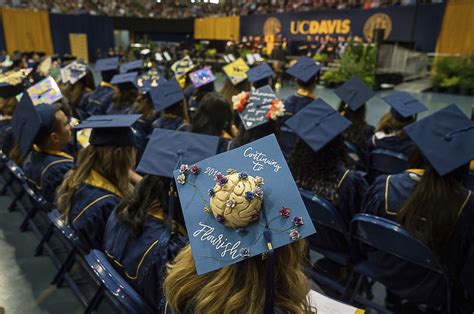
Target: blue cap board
{"type": "Point", "coordinates": [30, 122]}
{"type": "Point", "coordinates": [110, 130]}
{"type": "Point", "coordinates": [166, 94]}
{"type": "Point", "coordinates": [125, 80]}
{"type": "Point", "coordinates": [149, 80]}
{"type": "Point", "coordinates": [304, 69]}
{"type": "Point", "coordinates": [354, 93]}
{"type": "Point", "coordinates": [168, 149]}
{"type": "Point", "coordinates": [131, 66]}
{"type": "Point", "coordinates": [404, 105]}
{"type": "Point", "coordinates": [232, 215]}
{"type": "Point", "coordinates": [260, 72]}
{"type": "Point", "coordinates": [107, 64]}
{"type": "Point", "coordinates": [445, 138]}
{"type": "Point", "coordinates": [317, 124]}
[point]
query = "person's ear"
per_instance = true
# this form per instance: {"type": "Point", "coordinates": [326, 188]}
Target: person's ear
{"type": "Point", "coordinates": [54, 138]}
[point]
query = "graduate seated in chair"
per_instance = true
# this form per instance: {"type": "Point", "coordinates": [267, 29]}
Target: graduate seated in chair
{"type": "Point", "coordinates": [432, 202]}
{"type": "Point", "coordinates": [90, 192]}
{"type": "Point", "coordinates": [43, 131]}
{"type": "Point", "coordinates": [389, 133]}
{"type": "Point", "coordinates": [126, 94]}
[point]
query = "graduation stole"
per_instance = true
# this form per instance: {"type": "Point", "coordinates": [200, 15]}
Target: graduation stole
{"type": "Point", "coordinates": [305, 93]}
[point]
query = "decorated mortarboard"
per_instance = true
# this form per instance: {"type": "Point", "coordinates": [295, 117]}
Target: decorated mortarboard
{"type": "Point", "coordinates": [74, 71]}
{"type": "Point", "coordinates": [131, 66]}
{"type": "Point", "coordinates": [304, 69]}
{"type": "Point", "coordinates": [202, 77]}
{"type": "Point", "coordinates": [149, 80]}
{"type": "Point", "coordinates": [445, 138]}
{"type": "Point", "coordinates": [30, 121]}
{"type": "Point", "coordinates": [258, 106]}
{"type": "Point", "coordinates": [45, 92]}
{"type": "Point", "coordinates": [11, 83]}
{"type": "Point", "coordinates": [260, 72]}
{"type": "Point", "coordinates": [169, 149]}
{"type": "Point", "coordinates": [166, 94]}
{"type": "Point", "coordinates": [110, 130]}
{"type": "Point", "coordinates": [317, 124]}
{"type": "Point", "coordinates": [236, 71]}
{"type": "Point", "coordinates": [107, 64]}
{"type": "Point", "coordinates": [232, 215]}
{"type": "Point", "coordinates": [182, 67]}
{"type": "Point", "coordinates": [354, 93]}
{"type": "Point", "coordinates": [125, 80]}
{"type": "Point", "coordinates": [404, 105]}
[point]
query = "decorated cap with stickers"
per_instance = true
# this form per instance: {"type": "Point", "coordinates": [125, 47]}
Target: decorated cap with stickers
{"type": "Point", "coordinates": [236, 71]}
{"type": "Point", "coordinates": [74, 71]}
{"type": "Point", "coordinates": [182, 67]}
{"type": "Point", "coordinates": [258, 106]}
{"type": "Point", "coordinates": [149, 80]}
{"type": "Point", "coordinates": [45, 92]}
{"type": "Point", "coordinates": [202, 77]}
{"type": "Point", "coordinates": [12, 83]}
{"type": "Point", "coordinates": [240, 204]}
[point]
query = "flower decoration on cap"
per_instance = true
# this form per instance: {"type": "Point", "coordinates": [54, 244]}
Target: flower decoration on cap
{"type": "Point", "coordinates": [239, 101]}
{"type": "Point", "coordinates": [182, 178]}
{"type": "Point", "coordinates": [276, 110]}
{"type": "Point", "coordinates": [195, 169]}
{"type": "Point", "coordinates": [244, 252]}
{"type": "Point", "coordinates": [235, 202]}
{"type": "Point", "coordinates": [294, 234]}
{"type": "Point", "coordinates": [285, 212]}
{"type": "Point", "coordinates": [184, 168]}
{"type": "Point", "coordinates": [298, 221]}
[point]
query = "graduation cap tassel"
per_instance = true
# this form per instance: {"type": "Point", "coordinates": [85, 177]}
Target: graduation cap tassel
{"type": "Point", "coordinates": [269, 272]}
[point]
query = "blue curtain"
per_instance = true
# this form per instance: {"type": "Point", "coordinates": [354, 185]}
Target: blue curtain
{"type": "Point", "coordinates": [2, 38]}
{"type": "Point", "coordinates": [99, 30]}
{"type": "Point", "coordinates": [429, 19]}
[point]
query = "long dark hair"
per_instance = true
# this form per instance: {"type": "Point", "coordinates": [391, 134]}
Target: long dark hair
{"type": "Point", "coordinates": [202, 91]}
{"type": "Point", "coordinates": [229, 89]}
{"type": "Point", "coordinates": [148, 195]}
{"type": "Point", "coordinates": [319, 171]}
{"type": "Point", "coordinates": [213, 115]}
{"type": "Point", "coordinates": [124, 98]}
{"type": "Point", "coordinates": [433, 208]}
{"type": "Point", "coordinates": [358, 132]}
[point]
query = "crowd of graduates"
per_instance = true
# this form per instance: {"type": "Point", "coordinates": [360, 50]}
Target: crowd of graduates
{"type": "Point", "coordinates": [111, 157]}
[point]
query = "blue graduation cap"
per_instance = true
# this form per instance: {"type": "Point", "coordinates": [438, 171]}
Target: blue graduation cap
{"type": "Point", "coordinates": [166, 94]}
{"type": "Point", "coordinates": [260, 108]}
{"type": "Point", "coordinates": [202, 77]}
{"type": "Point", "coordinates": [404, 105]}
{"type": "Point", "coordinates": [110, 130]}
{"type": "Point", "coordinates": [232, 215]}
{"type": "Point", "coordinates": [168, 149]}
{"type": "Point", "coordinates": [149, 80]}
{"type": "Point", "coordinates": [354, 93]}
{"type": "Point", "coordinates": [317, 124]}
{"type": "Point", "coordinates": [30, 122]}
{"type": "Point", "coordinates": [130, 66]}
{"type": "Point", "coordinates": [125, 80]}
{"type": "Point", "coordinates": [304, 69]}
{"type": "Point", "coordinates": [11, 84]}
{"type": "Point", "coordinates": [445, 138]}
{"type": "Point", "coordinates": [260, 72]}
{"type": "Point", "coordinates": [107, 64]}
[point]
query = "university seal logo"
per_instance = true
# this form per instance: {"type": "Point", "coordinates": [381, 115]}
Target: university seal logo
{"type": "Point", "coordinates": [377, 20]}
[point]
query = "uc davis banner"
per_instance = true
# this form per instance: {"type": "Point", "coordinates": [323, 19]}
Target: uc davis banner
{"type": "Point", "coordinates": [398, 23]}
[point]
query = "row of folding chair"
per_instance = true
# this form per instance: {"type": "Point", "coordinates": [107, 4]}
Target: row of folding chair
{"type": "Point", "coordinates": [109, 282]}
{"type": "Point", "coordinates": [370, 247]}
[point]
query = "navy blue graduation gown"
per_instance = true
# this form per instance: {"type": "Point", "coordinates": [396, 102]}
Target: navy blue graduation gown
{"type": "Point", "coordinates": [45, 171]}
{"type": "Point", "coordinates": [91, 207]}
{"type": "Point", "coordinates": [352, 187]}
{"type": "Point", "coordinates": [142, 259]}
{"type": "Point", "coordinates": [7, 140]}
{"type": "Point", "coordinates": [393, 143]}
{"type": "Point", "coordinates": [98, 101]}
{"type": "Point", "coordinates": [142, 131]}
{"type": "Point", "coordinates": [175, 124]}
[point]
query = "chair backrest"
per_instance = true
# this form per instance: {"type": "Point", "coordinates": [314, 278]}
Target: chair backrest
{"type": "Point", "coordinates": [66, 230]}
{"type": "Point", "coordinates": [116, 285]}
{"type": "Point", "coordinates": [323, 212]}
{"type": "Point", "coordinates": [388, 236]}
{"type": "Point", "coordinates": [387, 162]}
{"type": "Point", "coordinates": [355, 156]}
{"type": "Point", "coordinates": [470, 181]}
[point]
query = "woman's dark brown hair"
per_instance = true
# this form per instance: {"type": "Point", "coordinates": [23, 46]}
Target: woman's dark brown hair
{"type": "Point", "coordinates": [144, 106]}
{"type": "Point", "coordinates": [390, 124]}
{"type": "Point", "coordinates": [433, 208]}
{"type": "Point", "coordinates": [74, 93]}
{"type": "Point", "coordinates": [229, 89]}
{"type": "Point", "coordinates": [358, 132]}
{"type": "Point", "coordinates": [124, 98]}
{"type": "Point", "coordinates": [213, 115]}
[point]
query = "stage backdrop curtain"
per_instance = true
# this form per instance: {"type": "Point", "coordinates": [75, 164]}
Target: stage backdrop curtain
{"type": "Point", "coordinates": [98, 29]}
{"type": "Point", "coordinates": [26, 30]}
{"type": "Point", "coordinates": [458, 27]}
{"type": "Point", "coordinates": [217, 28]}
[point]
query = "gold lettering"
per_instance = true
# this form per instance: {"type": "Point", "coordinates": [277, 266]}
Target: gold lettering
{"type": "Point", "coordinates": [313, 27]}
{"type": "Point", "coordinates": [293, 28]}
{"type": "Point", "coordinates": [346, 26]}
{"type": "Point", "coordinates": [332, 26]}
{"type": "Point", "coordinates": [302, 29]}
{"type": "Point", "coordinates": [323, 27]}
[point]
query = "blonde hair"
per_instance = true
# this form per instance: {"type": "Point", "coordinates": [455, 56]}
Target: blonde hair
{"type": "Point", "coordinates": [8, 105]}
{"type": "Point", "coordinates": [239, 288]}
{"type": "Point", "coordinates": [389, 124]}
{"type": "Point", "coordinates": [110, 161]}
{"type": "Point", "coordinates": [16, 154]}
